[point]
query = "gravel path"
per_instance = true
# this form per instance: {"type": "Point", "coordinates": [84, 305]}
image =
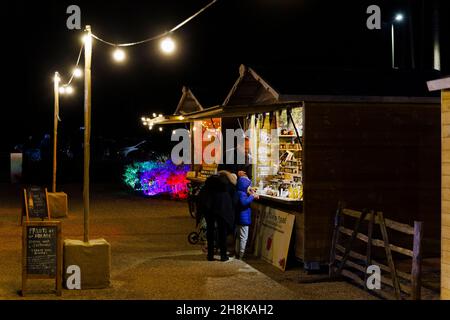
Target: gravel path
{"type": "Point", "coordinates": [151, 258]}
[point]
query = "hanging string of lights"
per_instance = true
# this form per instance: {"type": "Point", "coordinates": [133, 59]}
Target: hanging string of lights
{"type": "Point", "coordinates": [66, 88]}
{"type": "Point", "coordinates": [167, 46]}
{"type": "Point", "coordinates": [159, 36]}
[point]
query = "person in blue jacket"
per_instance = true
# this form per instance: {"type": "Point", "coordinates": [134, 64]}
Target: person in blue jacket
{"type": "Point", "coordinates": [243, 198]}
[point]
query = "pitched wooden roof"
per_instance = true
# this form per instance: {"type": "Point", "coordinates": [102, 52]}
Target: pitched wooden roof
{"type": "Point", "coordinates": [277, 84]}
{"type": "Point", "coordinates": [188, 103]}
{"type": "Point", "coordinates": [250, 88]}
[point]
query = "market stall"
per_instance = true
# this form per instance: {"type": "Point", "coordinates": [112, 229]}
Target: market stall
{"type": "Point", "coordinates": [369, 151]}
{"type": "Point", "coordinates": [308, 152]}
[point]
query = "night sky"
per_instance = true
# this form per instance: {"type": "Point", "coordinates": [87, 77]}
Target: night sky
{"type": "Point", "coordinates": [284, 33]}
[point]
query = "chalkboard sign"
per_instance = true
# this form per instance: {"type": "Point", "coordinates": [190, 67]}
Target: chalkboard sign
{"type": "Point", "coordinates": [35, 203]}
{"type": "Point", "coordinates": [41, 252]}
{"type": "Point", "coordinates": [41, 249]}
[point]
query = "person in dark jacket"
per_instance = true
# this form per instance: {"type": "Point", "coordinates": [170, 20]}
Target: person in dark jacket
{"type": "Point", "coordinates": [216, 203]}
{"type": "Point", "coordinates": [243, 198]}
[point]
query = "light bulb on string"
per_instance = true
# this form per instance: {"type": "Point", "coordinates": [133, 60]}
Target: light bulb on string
{"type": "Point", "coordinates": [167, 45]}
{"type": "Point", "coordinates": [119, 55]}
{"type": "Point", "coordinates": [69, 90]}
{"type": "Point", "coordinates": [62, 90]}
{"type": "Point", "coordinates": [77, 73]}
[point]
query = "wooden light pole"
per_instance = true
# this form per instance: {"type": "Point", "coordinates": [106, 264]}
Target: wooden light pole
{"type": "Point", "coordinates": [55, 126]}
{"type": "Point", "coordinates": [87, 126]}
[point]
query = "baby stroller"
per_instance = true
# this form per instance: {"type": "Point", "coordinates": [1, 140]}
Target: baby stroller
{"type": "Point", "coordinates": [200, 235]}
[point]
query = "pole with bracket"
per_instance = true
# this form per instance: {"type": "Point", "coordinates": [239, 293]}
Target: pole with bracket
{"type": "Point", "coordinates": [87, 126]}
{"type": "Point", "coordinates": [55, 126]}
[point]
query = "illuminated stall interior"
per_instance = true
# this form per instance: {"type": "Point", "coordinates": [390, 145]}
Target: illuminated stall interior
{"type": "Point", "coordinates": [278, 158]}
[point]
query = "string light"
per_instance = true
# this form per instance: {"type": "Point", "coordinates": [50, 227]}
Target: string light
{"type": "Point", "coordinates": [160, 129]}
{"type": "Point", "coordinates": [167, 45]}
{"type": "Point", "coordinates": [66, 90]}
{"type": "Point", "coordinates": [69, 90]}
{"type": "Point", "coordinates": [159, 36]}
{"type": "Point", "coordinates": [119, 55]}
{"type": "Point", "coordinates": [77, 73]}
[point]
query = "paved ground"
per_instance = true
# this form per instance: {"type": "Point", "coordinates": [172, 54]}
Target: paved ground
{"type": "Point", "coordinates": [151, 258]}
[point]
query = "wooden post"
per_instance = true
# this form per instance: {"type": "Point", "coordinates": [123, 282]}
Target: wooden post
{"type": "Point", "coordinates": [87, 127]}
{"type": "Point", "coordinates": [24, 208]}
{"type": "Point", "coordinates": [24, 261]}
{"type": "Point", "coordinates": [55, 126]}
{"type": "Point", "coordinates": [48, 206]}
{"type": "Point", "coordinates": [335, 239]}
{"type": "Point", "coordinates": [351, 241]}
{"type": "Point", "coordinates": [59, 264]}
{"type": "Point", "coordinates": [387, 247]}
{"type": "Point", "coordinates": [369, 245]}
{"type": "Point", "coordinates": [416, 261]}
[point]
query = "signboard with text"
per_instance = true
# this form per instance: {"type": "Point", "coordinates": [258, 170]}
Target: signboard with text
{"type": "Point", "coordinates": [41, 252]}
{"type": "Point", "coordinates": [274, 236]}
{"type": "Point", "coordinates": [35, 203]}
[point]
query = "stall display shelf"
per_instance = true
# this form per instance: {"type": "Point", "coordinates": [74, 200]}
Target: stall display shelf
{"type": "Point", "coordinates": [279, 198]}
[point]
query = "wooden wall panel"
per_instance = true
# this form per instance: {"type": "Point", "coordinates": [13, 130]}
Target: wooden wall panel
{"type": "Point", "coordinates": [445, 192]}
{"type": "Point", "coordinates": [381, 156]}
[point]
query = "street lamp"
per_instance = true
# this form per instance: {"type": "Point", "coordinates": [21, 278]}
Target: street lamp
{"type": "Point", "coordinates": [398, 18]}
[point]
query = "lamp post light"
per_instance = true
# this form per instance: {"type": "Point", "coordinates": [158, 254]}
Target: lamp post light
{"type": "Point", "coordinates": [398, 18]}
